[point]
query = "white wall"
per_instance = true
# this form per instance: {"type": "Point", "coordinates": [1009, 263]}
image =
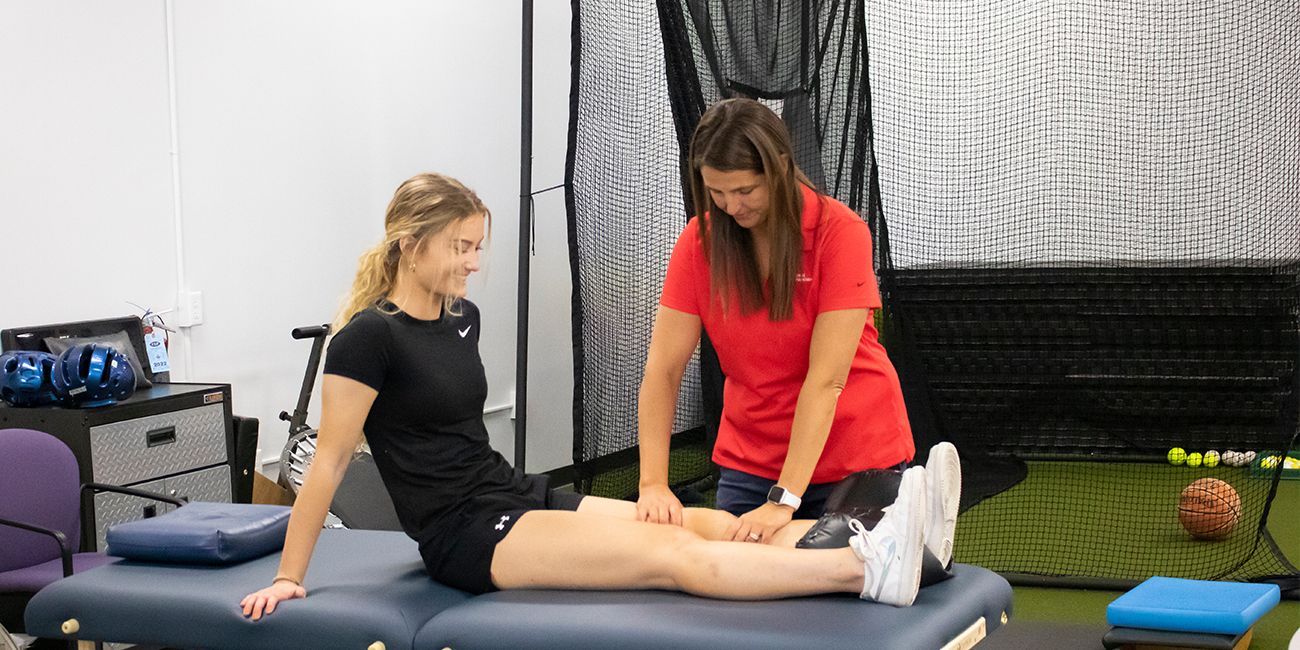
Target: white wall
{"type": "Point", "coordinates": [295, 123]}
{"type": "Point", "coordinates": [84, 169]}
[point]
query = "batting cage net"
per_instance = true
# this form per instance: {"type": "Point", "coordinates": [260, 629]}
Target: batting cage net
{"type": "Point", "coordinates": [1093, 247]}
{"type": "Point", "coordinates": [1087, 230]}
{"type": "Point", "coordinates": [642, 77]}
{"type": "Point", "coordinates": [624, 201]}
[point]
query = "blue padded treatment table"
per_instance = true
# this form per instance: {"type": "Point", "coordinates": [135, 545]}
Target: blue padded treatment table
{"type": "Point", "coordinates": [363, 587]}
{"type": "Point", "coordinates": [370, 586]}
{"type": "Point", "coordinates": [653, 620]}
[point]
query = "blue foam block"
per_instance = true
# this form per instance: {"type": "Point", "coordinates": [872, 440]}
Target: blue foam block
{"type": "Point", "coordinates": [1193, 605]}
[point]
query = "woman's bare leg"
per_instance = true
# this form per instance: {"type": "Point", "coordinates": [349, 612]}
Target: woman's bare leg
{"type": "Point", "coordinates": [582, 550]}
{"type": "Point", "coordinates": [705, 522]}
{"type": "Point", "coordinates": [586, 550]}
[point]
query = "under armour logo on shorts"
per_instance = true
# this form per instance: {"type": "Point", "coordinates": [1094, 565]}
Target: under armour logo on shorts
{"type": "Point", "coordinates": [501, 525]}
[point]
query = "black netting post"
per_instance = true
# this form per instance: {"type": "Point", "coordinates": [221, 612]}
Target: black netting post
{"type": "Point", "coordinates": [525, 231]}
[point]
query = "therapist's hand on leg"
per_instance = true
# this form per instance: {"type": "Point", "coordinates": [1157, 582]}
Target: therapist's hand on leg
{"type": "Point", "coordinates": [658, 505]}
{"type": "Point", "coordinates": [760, 524]}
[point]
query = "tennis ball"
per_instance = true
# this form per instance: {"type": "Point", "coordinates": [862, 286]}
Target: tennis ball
{"type": "Point", "coordinates": [1247, 457]}
{"type": "Point", "coordinates": [1194, 459]}
{"type": "Point", "coordinates": [1176, 456]}
{"type": "Point", "coordinates": [1233, 458]}
{"type": "Point", "coordinates": [1210, 459]}
{"type": "Point", "coordinates": [1269, 462]}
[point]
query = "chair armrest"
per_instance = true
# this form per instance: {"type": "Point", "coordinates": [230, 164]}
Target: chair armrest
{"type": "Point", "coordinates": [101, 487]}
{"type": "Point", "coordinates": [65, 551]}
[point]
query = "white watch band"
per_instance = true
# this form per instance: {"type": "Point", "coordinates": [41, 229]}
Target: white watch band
{"type": "Point", "coordinates": [789, 498]}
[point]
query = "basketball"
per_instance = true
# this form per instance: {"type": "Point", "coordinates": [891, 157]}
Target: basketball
{"type": "Point", "coordinates": [1209, 508]}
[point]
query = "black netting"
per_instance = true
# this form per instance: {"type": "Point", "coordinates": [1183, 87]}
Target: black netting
{"type": "Point", "coordinates": [806, 60]}
{"type": "Point", "coordinates": [624, 201]}
{"type": "Point", "coordinates": [1093, 246]}
{"type": "Point", "coordinates": [1092, 251]}
{"type": "Point", "coordinates": [638, 93]}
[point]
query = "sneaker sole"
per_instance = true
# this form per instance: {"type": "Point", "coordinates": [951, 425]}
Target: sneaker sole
{"type": "Point", "coordinates": [914, 485]}
{"type": "Point", "coordinates": [944, 469]}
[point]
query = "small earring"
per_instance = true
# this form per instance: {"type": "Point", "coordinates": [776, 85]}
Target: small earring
{"type": "Point", "coordinates": [412, 267]}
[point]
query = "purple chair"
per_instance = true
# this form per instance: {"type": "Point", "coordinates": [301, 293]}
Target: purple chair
{"type": "Point", "coordinates": [40, 515]}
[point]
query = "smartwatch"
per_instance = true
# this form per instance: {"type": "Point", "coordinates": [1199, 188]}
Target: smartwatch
{"type": "Point", "coordinates": [783, 497]}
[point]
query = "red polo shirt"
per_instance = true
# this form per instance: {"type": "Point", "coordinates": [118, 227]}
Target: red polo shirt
{"type": "Point", "coordinates": [766, 361]}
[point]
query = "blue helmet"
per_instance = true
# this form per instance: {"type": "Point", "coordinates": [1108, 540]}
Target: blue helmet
{"type": "Point", "coordinates": [25, 378]}
{"type": "Point", "coordinates": [92, 374]}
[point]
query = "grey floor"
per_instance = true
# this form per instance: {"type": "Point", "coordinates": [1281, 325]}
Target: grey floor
{"type": "Point", "coordinates": [1037, 634]}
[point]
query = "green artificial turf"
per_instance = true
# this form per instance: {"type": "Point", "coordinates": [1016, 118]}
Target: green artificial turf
{"type": "Point", "coordinates": [1120, 521]}
{"type": "Point", "coordinates": [1088, 607]}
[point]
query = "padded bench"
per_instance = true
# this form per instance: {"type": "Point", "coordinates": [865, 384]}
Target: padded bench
{"type": "Point", "coordinates": [368, 589]}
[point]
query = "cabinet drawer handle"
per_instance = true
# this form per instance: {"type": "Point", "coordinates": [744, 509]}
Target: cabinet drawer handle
{"type": "Point", "coordinates": [158, 437]}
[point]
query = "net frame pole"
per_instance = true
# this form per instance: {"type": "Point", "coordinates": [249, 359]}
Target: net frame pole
{"type": "Point", "coordinates": [525, 222]}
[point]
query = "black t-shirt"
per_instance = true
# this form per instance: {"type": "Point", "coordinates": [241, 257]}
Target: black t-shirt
{"type": "Point", "coordinates": [425, 427]}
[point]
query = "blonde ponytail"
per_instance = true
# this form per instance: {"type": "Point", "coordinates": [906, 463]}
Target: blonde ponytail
{"type": "Point", "coordinates": [376, 273]}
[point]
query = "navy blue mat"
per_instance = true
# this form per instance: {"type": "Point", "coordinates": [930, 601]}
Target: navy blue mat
{"type": "Point", "coordinates": [370, 586]}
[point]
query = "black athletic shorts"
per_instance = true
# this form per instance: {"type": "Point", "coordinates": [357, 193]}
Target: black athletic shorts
{"type": "Point", "coordinates": [462, 557]}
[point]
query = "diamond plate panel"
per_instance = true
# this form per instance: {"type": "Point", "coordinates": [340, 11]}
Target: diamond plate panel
{"type": "Point", "coordinates": [211, 484]}
{"type": "Point", "coordinates": [120, 453]}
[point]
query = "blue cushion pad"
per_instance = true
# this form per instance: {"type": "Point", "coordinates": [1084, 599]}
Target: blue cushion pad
{"type": "Point", "coordinates": [1183, 605]}
{"type": "Point", "coordinates": [202, 533]}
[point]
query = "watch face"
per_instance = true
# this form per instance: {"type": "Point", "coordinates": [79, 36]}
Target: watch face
{"type": "Point", "coordinates": [783, 497]}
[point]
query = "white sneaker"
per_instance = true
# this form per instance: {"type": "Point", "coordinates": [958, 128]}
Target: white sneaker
{"type": "Point", "coordinates": [943, 471]}
{"type": "Point", "coordinates": [891, 552]}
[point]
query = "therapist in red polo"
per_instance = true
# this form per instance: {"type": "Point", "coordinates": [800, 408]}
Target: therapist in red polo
{"type": "Point", "coordinates": [781, 278]}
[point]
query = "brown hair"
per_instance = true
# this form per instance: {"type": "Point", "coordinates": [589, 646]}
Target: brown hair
{"type": "Point", "coordinates": [736, 135]}
{"type": "Point", "coordinates": [422, 207]}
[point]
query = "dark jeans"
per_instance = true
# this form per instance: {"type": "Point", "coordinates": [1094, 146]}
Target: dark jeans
{"type": "Point", "coordinates": [739, 492]}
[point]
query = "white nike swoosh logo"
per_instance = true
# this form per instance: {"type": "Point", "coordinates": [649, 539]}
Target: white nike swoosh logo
{"type": "Point", "coordinates": [891, 548]}
{"type": "Point", "coordinates": [464, 331]}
